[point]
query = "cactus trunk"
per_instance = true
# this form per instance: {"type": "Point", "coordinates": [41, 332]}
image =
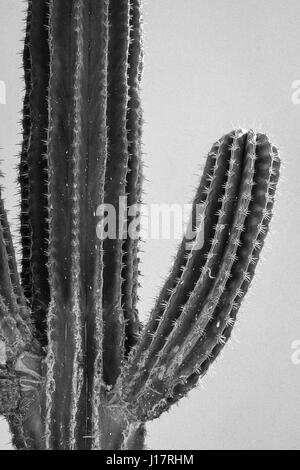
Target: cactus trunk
{"type": "Point", "coordinates": [77, 370]}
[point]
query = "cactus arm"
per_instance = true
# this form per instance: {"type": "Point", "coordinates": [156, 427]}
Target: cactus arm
{"type": "Point", "coordinates": [215, 222]}
{"type": "Point", "coordinates": [175, 359]}
{"type": "Point", "coordinates": [266, 153]}
{"type": "Point", "coordinates": [172, 282]}
{"type": "Point", "coordinates": [228, 165]}
{"type": "Point", "coordinates": [33, 177]}
{"type": "Point", "coordinates": [211, 330]}
{"type": "Point", "coordinates": [203, 317]}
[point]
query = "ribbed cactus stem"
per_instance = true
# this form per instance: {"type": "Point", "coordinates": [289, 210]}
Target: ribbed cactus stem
{"type": "Point", "coordinates": [94, 52]}
{"type": "Point", "coordinates": [198, 313]}
{"type": "Point", "coordinates": [33, 165]}
{"type": "Point", "coordinates": [115, 187]}
{"type": "Point", "coordinates": [130, 272]}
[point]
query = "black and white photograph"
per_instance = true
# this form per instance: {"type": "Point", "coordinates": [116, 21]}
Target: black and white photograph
{"type": "Point", "coordinates": [149, 227]}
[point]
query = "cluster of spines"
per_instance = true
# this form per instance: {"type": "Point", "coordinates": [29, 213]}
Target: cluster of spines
{"type": "Point", "coordinates": [182, 339]}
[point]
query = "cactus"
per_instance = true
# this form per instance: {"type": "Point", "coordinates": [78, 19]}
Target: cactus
{"type": "Point", "coordinates": [77, 368]}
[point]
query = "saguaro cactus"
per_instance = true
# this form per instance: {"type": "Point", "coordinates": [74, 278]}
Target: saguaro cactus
{"type": "Point", "coordinates": [77, 368]}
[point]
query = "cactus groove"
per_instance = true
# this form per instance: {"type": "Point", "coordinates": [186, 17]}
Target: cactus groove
{"type": "Point", "coordinates": [77, 368]}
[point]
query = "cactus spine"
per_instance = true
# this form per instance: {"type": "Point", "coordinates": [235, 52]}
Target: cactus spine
{"type": "Point", "coordinates": [77, 371]}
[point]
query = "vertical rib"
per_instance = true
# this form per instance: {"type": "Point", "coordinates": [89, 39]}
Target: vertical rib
{"type": "Point", "coordinates": [96, 164]}
{"type": "Point", "coordinates": [134, 177]}
{"type": "Point", "coordinates": [64, 149]}
{"type": "Point", "coordinates": [115, 186]}
{"type": "Point", "coordinates": [23, 168]}
{"type": "Point", "coordinates": [79, 149]}
{"type": "Point", "coordinates": [33, 167]}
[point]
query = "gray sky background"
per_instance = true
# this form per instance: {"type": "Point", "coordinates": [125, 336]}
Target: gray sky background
{"type": "Point", "coordinates": [211, 66]}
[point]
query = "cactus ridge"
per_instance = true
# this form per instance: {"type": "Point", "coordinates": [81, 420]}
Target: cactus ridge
{"type": "Point", "coordinates": [33, 165]}
{"type": "Point", "coordinates": [134, 179]}
{"type": "Point", "coordinates": [77, 368]}
{"type": "Point", "coordinates": [115, 187]}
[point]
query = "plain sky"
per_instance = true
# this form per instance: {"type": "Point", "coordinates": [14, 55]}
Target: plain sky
{"type": "Point", "coordinates": [211, 66]}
